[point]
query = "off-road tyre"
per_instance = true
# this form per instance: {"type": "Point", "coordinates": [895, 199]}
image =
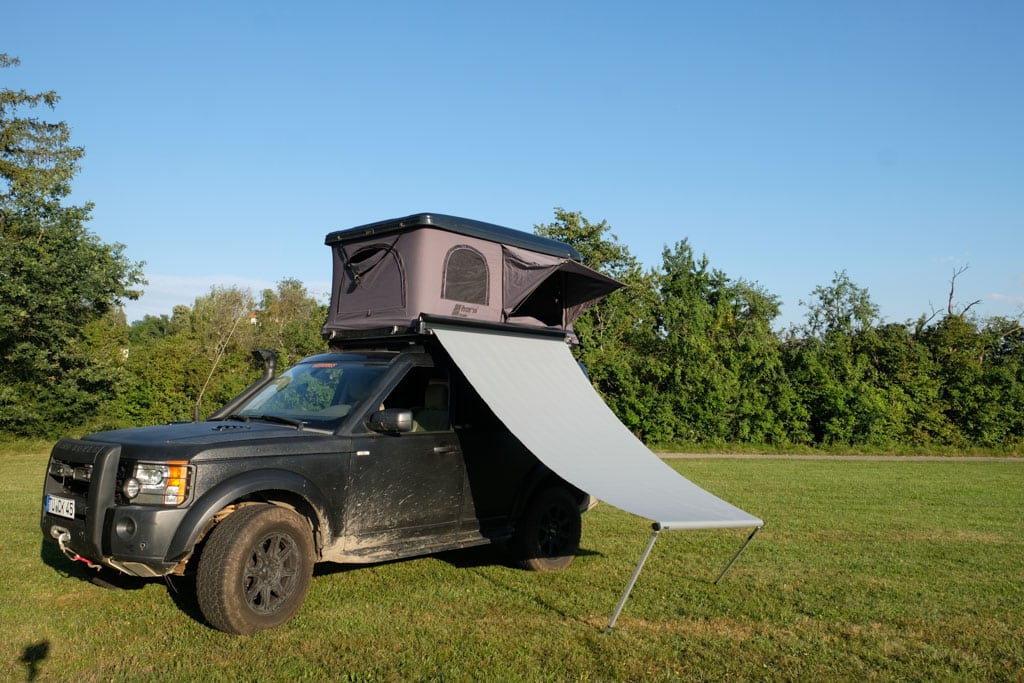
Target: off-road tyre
{"type": "Point", "coordinates": [255, 570]}
{"type": "Point", "coordinates": [548, 534]}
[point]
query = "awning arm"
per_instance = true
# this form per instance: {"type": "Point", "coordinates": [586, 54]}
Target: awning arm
{"type": "Point", "coordinates": [738, 553]}
{"type": "Point", "coordinates": [632, 579]}
{"type": "Point", "coordinates": [643, 560]}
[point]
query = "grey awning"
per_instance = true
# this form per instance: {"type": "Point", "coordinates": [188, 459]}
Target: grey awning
{"type": "Point", "coordinates": [534, 385]}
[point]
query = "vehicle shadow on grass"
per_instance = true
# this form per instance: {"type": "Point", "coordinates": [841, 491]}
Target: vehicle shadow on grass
{"type": "Point", "coordinates": [477, 557]}
{"type": "Point", "coordinates": [493, 555]}
{"type": "Point", "coordinates": [52, 557]}
{"type": "Point", "coordinates": [490, 555]}
{"type": "Point", "coordinates": [181, 589]}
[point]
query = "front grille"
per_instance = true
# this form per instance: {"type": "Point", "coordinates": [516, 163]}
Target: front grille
{"type": "Point", "coordinates": [82, 472]}
{"type": "Point", "coordinates": [73, 468]}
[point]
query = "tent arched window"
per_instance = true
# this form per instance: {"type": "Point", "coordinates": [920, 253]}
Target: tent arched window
{"type": "Point", "coordinates": [466, 276]}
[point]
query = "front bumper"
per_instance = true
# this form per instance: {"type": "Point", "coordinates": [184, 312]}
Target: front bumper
{"type": "Point", "coordinates": [133, 539]}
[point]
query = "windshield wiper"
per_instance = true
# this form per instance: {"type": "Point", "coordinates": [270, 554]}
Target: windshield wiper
{"type": "Point", "coordinates": [298, 424]}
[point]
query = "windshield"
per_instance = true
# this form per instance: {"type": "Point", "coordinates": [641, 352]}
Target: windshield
{"type": "Point", "coordinates": [317, 394]}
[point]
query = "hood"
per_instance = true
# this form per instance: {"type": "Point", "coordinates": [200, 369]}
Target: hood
{"type": "Point", "coordinates": [185, 439]}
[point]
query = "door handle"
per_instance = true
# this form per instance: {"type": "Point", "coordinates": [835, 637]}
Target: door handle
{"type": "Point", "coordinates": [441, 450]}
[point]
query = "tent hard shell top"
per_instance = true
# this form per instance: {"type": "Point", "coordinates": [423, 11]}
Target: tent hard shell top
{"type": "Point", "coordinates": [461, 226]}
{"type": "Point", "coordinates": [387, 274]}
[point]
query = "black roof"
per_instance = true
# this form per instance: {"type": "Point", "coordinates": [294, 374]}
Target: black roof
{"type": "Point", "coordinates": [462, 226]}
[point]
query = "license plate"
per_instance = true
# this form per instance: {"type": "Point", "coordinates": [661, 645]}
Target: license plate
{"type": "Point", "coordinates": [62, 507]}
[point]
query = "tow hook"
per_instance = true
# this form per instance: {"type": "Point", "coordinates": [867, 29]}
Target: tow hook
{"type": "Point", "coordinates": [63, 536]}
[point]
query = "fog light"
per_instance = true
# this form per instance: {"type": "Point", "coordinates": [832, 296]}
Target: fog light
{"type": "Point", "coordinates": [131, 488]}
{"type": "Point", "coordinates": [125, 528]}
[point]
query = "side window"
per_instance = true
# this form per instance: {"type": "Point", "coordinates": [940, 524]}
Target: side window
{"type": "Point", "coordinates": [425, 392]}
{"type": "Point", "coordinates": [465, 276]}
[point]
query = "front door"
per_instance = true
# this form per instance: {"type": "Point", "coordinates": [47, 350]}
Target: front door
{"type": "Point", "coordinates": [409, 485]}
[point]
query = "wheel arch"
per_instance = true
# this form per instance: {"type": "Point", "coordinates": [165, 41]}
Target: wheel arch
{"type": "Point", "coordinates": [273, 486]}
{"type": "Point", "coordinates": [539, 479]}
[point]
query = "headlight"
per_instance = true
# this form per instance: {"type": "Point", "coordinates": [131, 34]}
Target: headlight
{"type": "Point", "coordinates": [157, 483]}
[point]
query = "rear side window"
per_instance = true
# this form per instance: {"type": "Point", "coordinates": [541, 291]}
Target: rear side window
{"type": "Point", "coordinates": [466, 276]}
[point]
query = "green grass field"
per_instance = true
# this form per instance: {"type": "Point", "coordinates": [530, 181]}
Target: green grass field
{"type": "Point", "coordinates": [865, 570]}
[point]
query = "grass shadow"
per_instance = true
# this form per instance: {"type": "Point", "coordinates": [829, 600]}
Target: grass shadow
{"type": "Point", "coordinates": [332, 568]}
{"type": "Point", "coordinates": [182, 591]}
{"type": "Point", "coordinates": [461, 558]}
{"type": "Point", "coordinates": [32, 656]}
{"type": "Point", "coordinates": [490, 555]}
{"type": "Point", "coordinates": [525, 595]}
{"type": "Point", "coordinates": [477, 556]}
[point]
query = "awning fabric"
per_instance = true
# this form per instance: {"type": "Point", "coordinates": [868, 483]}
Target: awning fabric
{"type": "Point", "coordinates": [534, 385]}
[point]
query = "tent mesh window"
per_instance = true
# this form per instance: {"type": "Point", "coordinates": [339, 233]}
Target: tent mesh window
{"type": "Point", "coordinates": [465, 276]}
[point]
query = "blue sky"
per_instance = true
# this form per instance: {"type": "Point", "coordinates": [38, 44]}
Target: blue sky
{"type": "Point", "coordinates": [785, 140]}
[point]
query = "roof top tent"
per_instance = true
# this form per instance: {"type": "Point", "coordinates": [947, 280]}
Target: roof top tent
{"type": "Point", "coordinates": [387, 274]}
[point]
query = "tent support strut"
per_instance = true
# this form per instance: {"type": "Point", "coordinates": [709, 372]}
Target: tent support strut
{"type": "Point", "coordinates": [738, 553]}
{"type": "Point", "coordinates": [632, 579]}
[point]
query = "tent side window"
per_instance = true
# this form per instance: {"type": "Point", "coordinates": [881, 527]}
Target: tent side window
{"type": "Point", "coordinates": [374, 280]}
{"type": "Point", "coordinates": [466, 276]}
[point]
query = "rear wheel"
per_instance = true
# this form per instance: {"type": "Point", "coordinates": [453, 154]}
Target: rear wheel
{"type": "Point", "coordinates": [548, 534]}
{"type": "Point", "coordinates": [255, 569]}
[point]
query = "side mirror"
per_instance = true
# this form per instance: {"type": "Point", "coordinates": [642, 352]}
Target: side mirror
{"type": "Point", "coordinates": [391, 421]}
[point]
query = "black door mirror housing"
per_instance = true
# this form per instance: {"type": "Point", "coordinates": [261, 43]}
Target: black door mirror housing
{"type": "Point", "coordinates": [391, 421]}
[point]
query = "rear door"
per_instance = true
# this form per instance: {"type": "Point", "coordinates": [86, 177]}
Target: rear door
{"type": "Point", "coordinates": [497, 464]}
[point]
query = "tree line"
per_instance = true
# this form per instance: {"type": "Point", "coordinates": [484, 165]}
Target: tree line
{"type": "Point", "coordinates": [684, 354]}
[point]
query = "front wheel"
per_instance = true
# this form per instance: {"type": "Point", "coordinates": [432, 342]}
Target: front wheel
{"type": "Point", "coordinates": [255, 569]}
{"type": "Point", "coordinates": [548, 534]}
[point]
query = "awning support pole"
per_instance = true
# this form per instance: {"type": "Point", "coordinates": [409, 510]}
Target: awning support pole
{"type": "Point", "coordinates": [738, 553]}
{"type": "Point", "coordinates": [632, 579]}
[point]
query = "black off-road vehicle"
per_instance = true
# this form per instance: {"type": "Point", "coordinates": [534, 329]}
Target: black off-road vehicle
{"type": "Point", "coordinates": [374, 451]}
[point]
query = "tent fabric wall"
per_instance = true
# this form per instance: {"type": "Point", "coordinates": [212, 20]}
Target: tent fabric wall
{"type": "Point", "coordinates": [548, 290]}
{"type": "Point", "coordinates": [534, 385]}
{"type": "Point", "coordinates": [412, 264]}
